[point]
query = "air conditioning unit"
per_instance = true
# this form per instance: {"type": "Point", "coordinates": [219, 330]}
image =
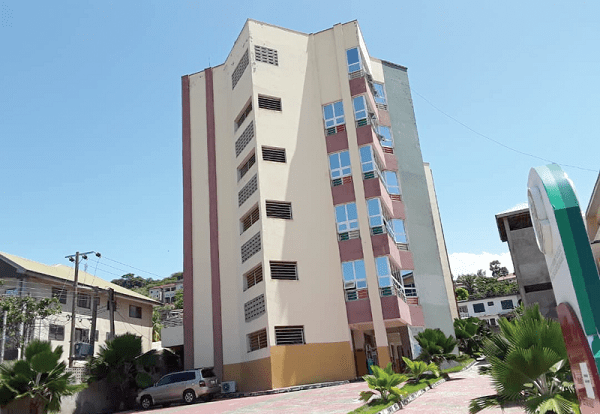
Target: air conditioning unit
{"type": "Point", "coordinates": [82, 349]}
{"type": "Point", "coordinates": [349, 285]}
{"type": "Point", "coordinates": [227, 387]}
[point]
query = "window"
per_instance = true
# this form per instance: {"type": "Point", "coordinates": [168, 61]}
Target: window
{"type": "Point", "coordinates": [490, 303]}
{"type": "Point", "coordinates": [385, 136]}
{"type": "Point", "coordinates": [354, 60]}
{"type": "Point", "coordinates": [383, 271]}
{"type": "Point", "coordinates": [279, 209]}
{"type": "Point", "coordinates": [360, 110]}
{"type": "Point", "coordinates": [346, 217]}
{"type": "Point", "coordinates": [368, 162]}
{"type": "Point", "coordinates": [339, 165]}
{"type": "Point", "coordinates": [377, 222]}
{"type": "Point", "coordinates": [167, 379]}
{"type": "Point", "coordinates": [399, 232]}
{"type": "Point", "coordinates": [244, 139]}
{"type": "Point", "coordinates": [10, 292]}
{"type": "Point", "coordinates": [249, 189]}
{"type": "Point", "coordinates": [284, 270]}
{"type": "Point", "coordinates": [251, 247]}
{"type": "Point", "coordinates": [266, 102]}
{"type": "Point", "coordinates": [56, 333]}
{"type": "Point", "coordinates": [333, 114]}
{"type": "Point", "coordinates": [84, 300]}
{"type": "Point", "coordinates": [257, 340]}
{"type": "Point", "coordinates": [249, 219]}
{"type": "Point", "coordinates": [239, 70]}
{"type": "Point", "coordinates": [478, 307]}
{"type": "Point", "coordinates": [59, 293]}
{"type": "Point", "coordinates": [253, 277]}
{"type": "Point", "coordinates": [493, 322]}
{"type": "Point", "coordinates": [507, 304]}
{"type": "Point", "coordinates": [410, 290]}
{"type": "Point", "coordinates": [273, 154]}
{"type": "Point", "coordinates": [355, 276]}
{"type": "Point", "coordinates": [391, 182]}
{"type": "Point", "coordinates": [243, 169]}
{"type": "Point", "coordinates": [289, 335]}
{"type": "Point", "coordinates": [266, 55]}
{"type": "Point", "coordinates": [380, 99]}
{"type": "Point", "coordinates": [135, 311]}
{"type": "Point", "coordinates": [463, 309]}
{"type": "Point", "coordinates": [254, 308]}
{"type": "Point", "coordinates": [82, 335]}
{"type": "Point", "coordinates": [243, 115]}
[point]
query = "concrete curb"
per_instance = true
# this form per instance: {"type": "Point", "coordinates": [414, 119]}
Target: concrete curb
{"type": "Point", "coordinates": [284, 390]}
{"type": "Point", "coordinates": [411, 397]}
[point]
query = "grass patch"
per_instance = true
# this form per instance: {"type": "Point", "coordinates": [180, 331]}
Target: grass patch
{"type": "Point", "coordinates": [409, 388]}
{"type": "Point", "coordinates": [373, 407]}
{"type": "Point", "coordinates": [458, 367]}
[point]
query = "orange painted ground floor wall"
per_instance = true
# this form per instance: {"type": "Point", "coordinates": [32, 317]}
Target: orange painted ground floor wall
{"type": "Point", "coordinates": [291, 365]}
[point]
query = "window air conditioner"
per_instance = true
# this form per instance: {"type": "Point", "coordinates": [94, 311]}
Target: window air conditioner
{"type": "Point", "coordinates": [349, 285]}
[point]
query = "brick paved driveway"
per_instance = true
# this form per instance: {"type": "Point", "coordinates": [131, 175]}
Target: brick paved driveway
{"type": "Point", "coordinates": [451, 397]}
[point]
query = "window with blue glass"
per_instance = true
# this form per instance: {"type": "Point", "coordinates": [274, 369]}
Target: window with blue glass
{"type": "Point", "coordinates": [384, 273]}
{"type": "Point", "coordinates": [385, 136]}
{"type": "Point", "coordinates": [339, 165]}
{"type": "Point", "coordinates": [376, 221]}
{"type": "Point", "coordinates": [354, 60]}
{"type": "Point", "coordinates": [399, 231]}
{"type": "Point", "coordinates": [354, 274]}
{"type": "Point", "coordinates": [346, 217]}
{"type": "Point", "coordinates": [367, 161]}
{"type": "Point", "coordinates": [360, 110]}
{"type": "Point", "coordinates": [379, 94]}
{"type": "Point", "coordinates": [391, 182]}
{"type": "Point", "coordinates": [333, 114]}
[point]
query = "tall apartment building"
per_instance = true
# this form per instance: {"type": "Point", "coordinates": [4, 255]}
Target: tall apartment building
{"type": "Point", "coordinates": [312, 240]}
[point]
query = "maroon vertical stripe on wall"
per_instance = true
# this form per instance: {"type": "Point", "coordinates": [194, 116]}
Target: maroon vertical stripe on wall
{"type": "Point", "coordinates": [214, 225]}
{"type": "Point", "coordinates": [188, 263]}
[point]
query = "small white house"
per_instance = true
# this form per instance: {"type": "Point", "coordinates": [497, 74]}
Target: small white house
{"type": "Point", "coordinates": [488, 309]}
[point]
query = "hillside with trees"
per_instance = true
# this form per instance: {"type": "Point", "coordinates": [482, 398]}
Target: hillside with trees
{"type": "Point", "coordinates": [481, 286]}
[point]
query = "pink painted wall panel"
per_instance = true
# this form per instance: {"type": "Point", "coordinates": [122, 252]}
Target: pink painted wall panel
{"type": "Point", "coordinates": [384, 117]}
{"type": "Point", "coordinates": [399, 211]}
{"type": "Point", "coordinates": [359, 311]}
{"type": "Point", "coordinates": [350, 250]}
{"type": "Point", "coordinates": [358, 86]}
{"type": "Point", "coordinates": [394, 307]}
{"type": "Point", "coordinates": [406, 259]}
{"type": "Point", "coordinates": [343, 193]}
{"type": "Point", "coordinates": [391, 162]}
{"type": "Point", "coordinates": [416, 315]}
{"type": "Point", "coordinates": [337, 142]}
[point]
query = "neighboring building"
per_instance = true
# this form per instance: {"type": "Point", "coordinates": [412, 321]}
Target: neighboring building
{"type": "Point", "coordinates": [307, 212]}
{"type": "Point", "coordinates": [488, 309]}
{"type": "Point", "coordinates": [592, 222]}
{"type": "Point", "coordinates": [133, 312]}
{"type": "Point", "coordinates": [171, 335]}
{"type": "Point", "coordinates": [165, 293]}
{"type": "Point", "coordinates": [515, 227]}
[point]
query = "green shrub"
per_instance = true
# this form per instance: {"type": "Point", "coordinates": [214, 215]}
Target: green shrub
{"type": "Point", "coordinates": [385, 382]}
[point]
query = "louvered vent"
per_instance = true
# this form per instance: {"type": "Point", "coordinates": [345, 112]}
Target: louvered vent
{"type": "Point", "coordinates": [242, 117]}
{"type": "Point", "coordinates": [249, 219]}
{"type": "Point", "coordinates": [284, 270]}
{"type": "Point", "coordinates": [278, 209]}
{"type": "Point", "coordinates": [253, 277]}
{"type": "Point", "coordinates": [249, 189]}
{"type": "Point", "coordinates": [257, 340]}
{"type": "Point", "coordinates": [239, 70]}
{"type": "Point", "coordinates": [289, 335]}
{"type": "Point", "coordinates": [246, 166]}
{"type": "Point", "coordinates": [266, 55]}
{"type": "Point", "coordinates": [244, 139]}
{"type": "Point", "coordinates": [273, 154]}
{"type": "Point", "coordinates": [266, 102]}
{"type": "Point", "coordinates": [254, 308]}
{"type": "Point", "coordinates": [251, 247]}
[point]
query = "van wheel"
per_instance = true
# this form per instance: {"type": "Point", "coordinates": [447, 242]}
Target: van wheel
{"type": "Point", "coordinates": [146, 402]}
{"type": "Point", "coordinates": [189, 396]}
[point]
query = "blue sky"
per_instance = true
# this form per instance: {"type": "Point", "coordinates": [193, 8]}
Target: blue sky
{"type": "Point", "coordinates": [90, 112]}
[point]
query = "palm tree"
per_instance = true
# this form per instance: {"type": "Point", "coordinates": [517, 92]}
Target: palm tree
{"type": "Point", "coordinates": [39, 377]}
{"type": "Point", "coordinates": [383, 381]}
{"type": "Point", "coordinates": [435, 345]}
{"type": "Point", "coordinates": [528, 365]}
{"type": "Point", "coordinates": [418, 368]}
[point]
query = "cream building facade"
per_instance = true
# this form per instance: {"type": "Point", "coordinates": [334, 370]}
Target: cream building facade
{"type": "Point", "coordinates": [133, 312]}
{"type": "Point", "coordinates": [312, 238]}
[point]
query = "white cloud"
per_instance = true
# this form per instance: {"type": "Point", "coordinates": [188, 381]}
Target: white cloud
{"type": "Point", "coordinates": [462, 263]}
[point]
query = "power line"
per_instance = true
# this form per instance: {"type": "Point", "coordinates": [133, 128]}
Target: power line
{"type": "Point", "coordinates": [129, 266]}
{"type": "Point", "coordinates": [496, 141]}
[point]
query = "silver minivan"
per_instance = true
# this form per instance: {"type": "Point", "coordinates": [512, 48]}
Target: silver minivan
{"type": "Point", "coordinates": [183, 386]}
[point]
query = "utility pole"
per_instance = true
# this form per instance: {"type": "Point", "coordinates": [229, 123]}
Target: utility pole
{"type": "Point", "coordinates": [3, 336]}
{"type": "Point", "coordinates": [111, 307]}
{"type": "Point", "coordinates": [75, 258]}
{"type": "Point", "coordinates": [94, 316]}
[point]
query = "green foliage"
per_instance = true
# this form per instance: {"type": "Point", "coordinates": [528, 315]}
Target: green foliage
{"type": "Point", "coordinates": [178, 299]}
{"type": "Point", "coordinates": [121, 363]}
{"type": "Point", "coordinates": [156, 323]}
{"type": "Point", "coordinates": [385, 382]}
{"type": "Point", "coordinates": [470, 333]}
{"type": "Point", "coordinates": [25, 310]}
{"type": "Point", "coordinates": [435, 345]}
{"type": "Point", "coordinates": [479, 286]}
{"type": "Point", "coordinates": [40, 377]}
{"type": "Point", "coordinates": [528, 364]}
{"type": "Point", "coordinates": [497, 270]}
{"type": "Point", "coordinates": [145, 287]}
{"type": "Point", "coordinates": [416, 369]}
{"type": "Point", "coordinates": [462, 294]}
{"type": "Point", "coordinates": [131, 281]}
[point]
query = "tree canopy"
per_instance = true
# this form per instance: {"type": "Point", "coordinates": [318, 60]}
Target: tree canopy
{"type": "Point", "coordinates": [480, 286]}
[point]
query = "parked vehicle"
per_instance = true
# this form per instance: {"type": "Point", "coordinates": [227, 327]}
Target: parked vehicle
{"type": "Point", "coordinates": [184, 386]}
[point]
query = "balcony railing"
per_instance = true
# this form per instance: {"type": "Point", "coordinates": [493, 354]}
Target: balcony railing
{"type": "Point", "coordinates": [356, 294]}
{"type": "Point", "coordinates": [348, 235]}
{"type": "Point", "coordinates": [396, 289]}
{"type": "Point", "coordinates": [335, 129]}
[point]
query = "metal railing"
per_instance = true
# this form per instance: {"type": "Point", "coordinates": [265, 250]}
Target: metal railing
{"type": "Point", "coordinates": [395, 290]}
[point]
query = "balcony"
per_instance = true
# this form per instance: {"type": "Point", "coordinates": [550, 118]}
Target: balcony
{"type": "Point", "coordinates": [393, 303]}
{"type": "Point", "coordinates": [343, 193]}
{"type": "Point", "coordinates": [336, 142]}
{"type": "Point", "coordinates": [365, 134]}
{"type": "Point", "coordinates": [358, 307]}
{"type": "Point", "coordinates": [374, 187]}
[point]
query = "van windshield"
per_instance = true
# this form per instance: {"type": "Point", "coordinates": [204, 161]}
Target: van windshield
{"type": "Point", "coordinates": [208, 373]}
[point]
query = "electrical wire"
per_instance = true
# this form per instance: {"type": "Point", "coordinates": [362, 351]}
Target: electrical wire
{"type": "Point", "coordinates": [496, 141]}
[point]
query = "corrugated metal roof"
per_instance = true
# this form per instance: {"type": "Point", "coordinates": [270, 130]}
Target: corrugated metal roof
{"type": "Point", "coordinates": [518, 207]}
{"type": "Point", "coordinates": [68, 273]}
